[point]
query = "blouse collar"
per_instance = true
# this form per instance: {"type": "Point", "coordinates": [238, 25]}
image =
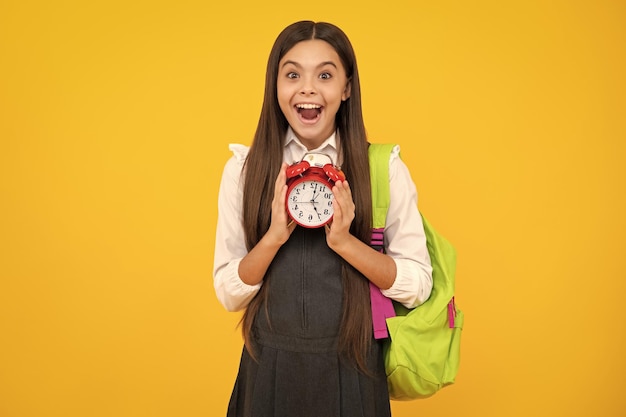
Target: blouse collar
{"type": "Point", "coordinates": [331, 141]}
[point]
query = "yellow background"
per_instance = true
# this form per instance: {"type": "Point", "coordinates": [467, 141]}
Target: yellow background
{"type": "Point", "coordinates": [114, 123]}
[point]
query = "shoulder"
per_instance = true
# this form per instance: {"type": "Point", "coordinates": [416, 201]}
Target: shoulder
{"type": "Point", "coordinates": [397, 167]}
{"type": "Point", "coordinates": [234, 165]}
{"type": "Point", "coordinates": [240, 152]}
{"type": "Point", "coordinates": [395, 153]}
{"type": "Point", "coordinates": [238, 158]}
{"type": "Point", "coordinates": [376, 150]}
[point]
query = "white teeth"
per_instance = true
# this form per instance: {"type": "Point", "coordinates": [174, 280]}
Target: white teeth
{"type": "Point", "coordinates": [308, 106]}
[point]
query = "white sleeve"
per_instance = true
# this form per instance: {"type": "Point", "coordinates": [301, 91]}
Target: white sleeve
{"type": "Point", "coordinates": [230, 243]}
{"type": "Point", "coordinates": [405, 240]}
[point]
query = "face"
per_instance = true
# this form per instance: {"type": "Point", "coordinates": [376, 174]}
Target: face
{"type": "Point", "coordinates": [312, 83]}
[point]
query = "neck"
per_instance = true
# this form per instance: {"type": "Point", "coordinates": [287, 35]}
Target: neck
{"type": "Point", "coordinates": [313, 142]}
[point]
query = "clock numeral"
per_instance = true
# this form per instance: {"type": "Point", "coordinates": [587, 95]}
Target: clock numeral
{"type": "Point", "coordinates": [328, 196]}
{"type": "Point", "coordinates": [326, 212]}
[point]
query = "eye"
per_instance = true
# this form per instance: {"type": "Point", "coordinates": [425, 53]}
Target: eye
{"type": "Point", "coordinates": [325, 76]}
{"type": "Point", "coordinates": [292, 75]}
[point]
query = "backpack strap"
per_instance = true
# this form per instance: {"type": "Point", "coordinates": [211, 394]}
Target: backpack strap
{"type": "Point", "coordinates": [442, 253]}
{"type": "Point", "coordinates": [379, 155]}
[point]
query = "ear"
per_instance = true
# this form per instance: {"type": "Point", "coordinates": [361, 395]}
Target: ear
{"type": "Point", "coordinates": [347, 91]}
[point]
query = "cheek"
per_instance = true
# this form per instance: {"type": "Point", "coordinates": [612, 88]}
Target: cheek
{"type": "Point", "coordinates": [334, 100]}
{"type": "Point", "coordinates": [336, 93]}
{"type": "Point", "coordinates": [283, 102]}
{"type": "Point", "coordinates": [283, 94]}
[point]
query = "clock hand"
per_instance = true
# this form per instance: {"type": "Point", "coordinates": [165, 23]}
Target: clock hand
{"type": "Point", "coordinates": [313, 197]}
{"type": "Point", "coordinates": [316, 212]}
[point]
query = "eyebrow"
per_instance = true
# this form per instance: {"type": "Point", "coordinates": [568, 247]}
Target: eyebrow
{"type": "Point", "coordinates": [322, 64]}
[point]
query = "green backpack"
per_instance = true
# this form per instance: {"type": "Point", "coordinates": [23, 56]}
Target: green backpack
{"type": "Point", "coordinates": [423, 348]}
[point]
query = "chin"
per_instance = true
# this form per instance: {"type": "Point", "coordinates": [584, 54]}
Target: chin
{"type": "Point", "coordinates": [317, 136]}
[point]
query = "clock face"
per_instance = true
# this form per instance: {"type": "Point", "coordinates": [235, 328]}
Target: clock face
{"type": "Point", "coordinates": [310, 202]}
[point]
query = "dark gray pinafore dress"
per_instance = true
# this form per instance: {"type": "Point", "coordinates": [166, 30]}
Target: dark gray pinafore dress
{"type": "Point", "coordinates": [299, 372]}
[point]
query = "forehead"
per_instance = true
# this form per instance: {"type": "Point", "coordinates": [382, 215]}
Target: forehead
{"type": "Point", "coordinates": [311, 53]}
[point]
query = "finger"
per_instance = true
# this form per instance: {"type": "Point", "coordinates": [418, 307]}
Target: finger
{"type": "Point", "coordinates": [341, 196]}
{"type": "Point", "coordinates": [281, 179]}
{"type": "Point", "coordinates": [345, 190]}
{"type": "Point", "coordinates": [337, 213]}
{"type": "Point", "coordinates": [291, 226]}
{"type": "Point", "coordinates": [282, 194]}
{"type": "Point", "coordinates": [343, 206]}
{"type": "Point", "coordinates": [338, 191]}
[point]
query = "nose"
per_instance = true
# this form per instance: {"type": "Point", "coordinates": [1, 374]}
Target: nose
{"type": "Point", "coordinates": [308, 86]}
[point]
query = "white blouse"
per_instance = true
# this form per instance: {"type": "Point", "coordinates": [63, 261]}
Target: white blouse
{"type": "Point", "coordinates": [404, 235]}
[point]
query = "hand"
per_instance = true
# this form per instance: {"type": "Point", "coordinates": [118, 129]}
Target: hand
{"type": "Point", "coordinates": [280, 227]}
{"type": "Point", "coordinates": [339, 230]}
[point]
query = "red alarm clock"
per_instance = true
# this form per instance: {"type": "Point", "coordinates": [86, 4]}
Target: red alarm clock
{"type": "Point", "coordinates": [309, 193]}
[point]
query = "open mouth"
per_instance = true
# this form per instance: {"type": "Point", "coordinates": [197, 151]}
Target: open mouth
{"type": "Point", "coordinates": [309, 112]}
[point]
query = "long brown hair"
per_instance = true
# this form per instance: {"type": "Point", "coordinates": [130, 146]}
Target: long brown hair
{"type": "Point", "coordinates": [263, 164]}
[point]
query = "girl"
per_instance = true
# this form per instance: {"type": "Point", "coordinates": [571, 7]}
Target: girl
{"type": "Point", "coordinates": [309, 349]}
